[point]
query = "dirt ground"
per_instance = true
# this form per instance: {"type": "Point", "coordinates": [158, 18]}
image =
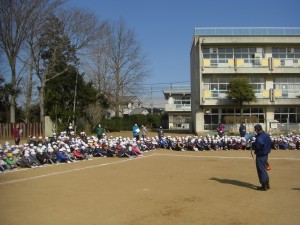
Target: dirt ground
{"type": "Point", "coordinates": [163, 188]}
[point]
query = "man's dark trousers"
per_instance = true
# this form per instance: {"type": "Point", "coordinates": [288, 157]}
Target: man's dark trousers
{"type": "Point", "coordinates": [261, 162]}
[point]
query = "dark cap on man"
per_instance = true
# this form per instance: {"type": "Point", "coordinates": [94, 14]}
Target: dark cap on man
{"type": "Point", "coordinates": [258, 127]}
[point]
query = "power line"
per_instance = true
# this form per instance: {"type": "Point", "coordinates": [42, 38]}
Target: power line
{"type": "Point", "coordinates": [178, 82]}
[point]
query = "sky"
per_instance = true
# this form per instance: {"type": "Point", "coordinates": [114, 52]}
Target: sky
{"type": "Point", "coordinates": [165, 28]}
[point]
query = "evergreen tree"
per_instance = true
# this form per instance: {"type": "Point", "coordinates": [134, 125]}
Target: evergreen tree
{"type": "Point", "coordinates": [7, 90]}
{"type": "Point", "coordinates": [62, 92]}
{"type": "Point", "coordinates": [240, 91]}
{"type": "Point", "coordinates": [58, 56]}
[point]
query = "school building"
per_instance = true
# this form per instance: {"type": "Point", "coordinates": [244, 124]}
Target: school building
{"type": "Point", "coordinates": [269, 58]}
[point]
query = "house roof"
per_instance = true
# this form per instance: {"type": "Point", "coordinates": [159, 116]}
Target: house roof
{"type": "Point", "coordinates": [138, 111]}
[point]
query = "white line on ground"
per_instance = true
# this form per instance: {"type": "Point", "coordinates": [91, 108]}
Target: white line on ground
{"type": "Point", "coordinates": [205, 156]}
{"type": "Point", "coordinates": [73, 170]}
{"type": "Point", "coordinates": [117, 162]}
{"type": "Point", "coordinates": [223, 157]}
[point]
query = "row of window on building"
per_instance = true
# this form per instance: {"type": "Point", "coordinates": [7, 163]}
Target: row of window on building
{"type": "Point", "coordinates": [249, 53]}
{"type": "Point", "coordinates": [289, 84]}
{"type": "Point", "coordinates": [282, 115]}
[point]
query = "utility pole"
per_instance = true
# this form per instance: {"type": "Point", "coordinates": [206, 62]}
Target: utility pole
{"type": "Point", "coordinates": [151, 104]}
{"type": "Point", "coordinates": [74, 104]}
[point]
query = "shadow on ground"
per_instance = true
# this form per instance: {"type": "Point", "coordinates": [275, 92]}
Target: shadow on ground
{"type": "Point", "coordinates": [234, 182]}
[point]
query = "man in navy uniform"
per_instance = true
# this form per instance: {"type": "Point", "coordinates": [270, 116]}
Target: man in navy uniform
{"type": "Point", "coordinates": [262, 148]}
{"type": "Point", "coordinates": [242, 129]}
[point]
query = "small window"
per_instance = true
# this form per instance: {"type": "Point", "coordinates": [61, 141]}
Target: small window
{"type": "Point", "coordinates": [237, 50]}
{"type": "Point", "coordinates": [214, 110]}
{"type": "Point", "coordinates": [231, 110]}
{"type": "Point", "coordinates": [244, 50]}
{"type": "Point", "coordinates": [277, 110]}
{"type": "Point", "coordinates": [247, 110]}
{"type": "Point", "coordinates": [292, 118]}
{"type": "Point", "coordinates": [238, 111]}
{"type": "Point", "coordinates": [282, 50]}
{"type": "Point", "coordinates": [261, 118]}
{"type": "Point", "coordinates": [223, 87]}
{"type": "Point", "coordinates": [214, 119]}
{"type": "Point", "coordinates": [277, 117]}
{"type": "Point", "coordinates": [206, 56]}
{"type": "Point", "coordinates": [292, 110]}
{"type": "Point", "coordinates": [221, 50]}
{"type": "Point", "coordinates": [205, 50]}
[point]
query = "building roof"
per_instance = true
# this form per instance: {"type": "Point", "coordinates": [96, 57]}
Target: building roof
{"type": "Point", "coordinates": [179, 90]}
{"type": "Point", "coordinates": [176, 92]}
{"type": "Point", "coordinates": [138, 111]}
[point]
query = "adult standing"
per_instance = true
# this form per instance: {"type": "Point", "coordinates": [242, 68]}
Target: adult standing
{"type": "Point", "coordinates": [221, 129]}
{"type": "Point", "coordinates": [144, 132]}
{"type": "Point", "coordinates": [262, 148]}
{"type": "Point", "coordinates": [99, 131]}
{"type": "Point", "coordinates": [69, 129]}
{"type": "Point", "coordinates": [17, 131]}
{"type": "Point", "coordinates": [243, 129]}
{"type": "Point", "coordinates": [160, 133]}
{"type": "Point", "coordinates": [136, 131]}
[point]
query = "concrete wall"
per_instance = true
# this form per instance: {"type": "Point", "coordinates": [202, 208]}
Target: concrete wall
{"type": "Point", "coordinates": [49, 127]}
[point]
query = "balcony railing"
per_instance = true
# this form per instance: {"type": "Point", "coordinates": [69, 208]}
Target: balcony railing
{"type": "Point", "coordinates": [260, 94]}
{"type": "Point", "coordinates": [178, 107]}
{"type": "Point", "coordinates": [247, 31]}
{"type": "Point", "coordinates": [251, 63]}
{"type": "Point", "coordinates": [183, 106]}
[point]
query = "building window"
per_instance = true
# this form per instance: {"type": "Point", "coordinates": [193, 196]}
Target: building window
{"type": "Point", "coordinates": [180, 121]}
{"type": "Point", "coordinates": [289, 86]}
{"type": "Point", "coordinates": [258, 84]}
{"type": "Point", "coordinates": [218, 85]}
{"type": "Point", "coordinates": [283, 53]}
{"type": "Point", "coordinates": [182, 101]}
{"type": "Point", "coordinates": [256, 112]}
{"type": "Point", "coordinates": [212, 117]}
{"type": "Point", "coordinates": [221, 55]}
{"type": "Point", "coordinates": [287, 115]}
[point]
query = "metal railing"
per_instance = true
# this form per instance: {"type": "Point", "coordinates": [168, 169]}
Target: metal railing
{"type": "Point", "coordinates": [180, 87]}
{"type": "Point", "coordinates": [260, 94]}
{"type": "Point", "coordinates": [250, 63]}
{"type": "Point", "coordinates": [247, 31]}
{"type": "Point", "coordinates": [183, 106]}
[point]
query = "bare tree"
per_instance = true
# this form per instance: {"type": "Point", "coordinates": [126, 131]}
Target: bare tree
{"type": "Point", "coordinates": [28, 85]}
{"type": "Point", "coordinates": [95, 63]}
{"type": "Point", "coordinates": [126, 61]}
{"type": "Point", "coordinates": [82, 27]}
{"type": "Point", "coordinates": [90, 36]}
{"type": "Point", "coordinates": [95, 113]}
{"type": "Point", "coordinates": [16, 18]}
